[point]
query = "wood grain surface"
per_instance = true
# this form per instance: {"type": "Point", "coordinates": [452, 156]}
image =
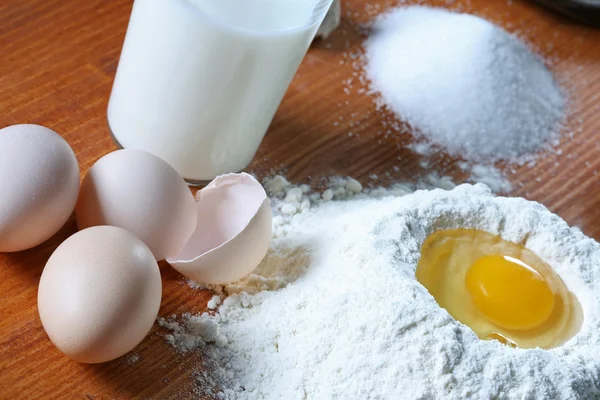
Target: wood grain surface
{"type": "Point", "coordinates": [57, 62]}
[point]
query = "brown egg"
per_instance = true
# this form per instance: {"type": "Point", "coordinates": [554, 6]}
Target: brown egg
{"type": "Point", "coordinates": [39, 181]}
{"type": "Point", "coordinates": [99, 294]}
{"type": "Point", "coordinates": [139, 192]}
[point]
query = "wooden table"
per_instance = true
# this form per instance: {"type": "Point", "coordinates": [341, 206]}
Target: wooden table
{"type": "Point", "coordinates": [57, 62]}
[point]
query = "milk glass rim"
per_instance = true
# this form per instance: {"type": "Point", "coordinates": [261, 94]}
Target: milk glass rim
{"type": "Point", "coordinates": [318, 14]}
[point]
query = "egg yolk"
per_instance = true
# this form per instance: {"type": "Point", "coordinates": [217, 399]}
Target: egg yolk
{"type": "Point", "coordinates": [509, 293]}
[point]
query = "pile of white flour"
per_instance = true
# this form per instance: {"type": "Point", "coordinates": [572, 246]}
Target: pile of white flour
{"type": "Point", "coordinates": [335, 311]}
{"type": "Point", "coordinates": [465, 84]}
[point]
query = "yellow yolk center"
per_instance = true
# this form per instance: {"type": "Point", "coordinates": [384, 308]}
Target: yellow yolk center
{"type": "Point", "coordinates": [509, 293]}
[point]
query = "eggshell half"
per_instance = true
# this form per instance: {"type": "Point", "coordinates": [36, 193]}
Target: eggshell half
{"type": "Point", "coordinates": [233, 233]}
{"type": "Point", "coordinates": [39, 182]}
{"type": "Point", "coordinates": [137, 191]}
{"type": "Point", "coordinates": [99, 294]}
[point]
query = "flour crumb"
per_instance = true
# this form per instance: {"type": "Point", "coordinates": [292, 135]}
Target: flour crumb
{"type": "Point", "coordinates": [214, 302]}
{"type": "Point", "coordinates": [276, 185]}
{"type": "Point", "coordinates": [194, 285]}
{"type": "Point", "coordinates": [294, 195]}
{"type": "Point", "coordinates": [353, 186]}
{"type": "Point", "coordinates": [327, 195]}
{"type": "Point", "coordinates": [491, 176]}
{"type": "Point", "coordinates": [192, 331]}
{"type": "Point", "coordinates": [131, 359]}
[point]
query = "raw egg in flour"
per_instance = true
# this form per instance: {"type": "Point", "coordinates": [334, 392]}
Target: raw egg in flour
{"type": "Point", "coordinates": [500, 289]}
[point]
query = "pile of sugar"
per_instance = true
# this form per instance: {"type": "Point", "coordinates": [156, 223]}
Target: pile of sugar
{"type": "Point", "coordinates": [335, 311]}
{"type": "Point", "coordinates": [464, 84]}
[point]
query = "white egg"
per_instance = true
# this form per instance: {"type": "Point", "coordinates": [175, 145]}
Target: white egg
{"type": "Point", "coordinates": [233, 234]}
{"type": "Point", "coordinates": [99, 294]}
{"type": "Point", "coordinates": [139, 192]}
{"type": "Point", "coordinates": [39, 181]}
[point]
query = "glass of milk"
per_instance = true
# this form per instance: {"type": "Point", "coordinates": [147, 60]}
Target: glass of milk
{"type": "Point", "coordinates": [199, 81]}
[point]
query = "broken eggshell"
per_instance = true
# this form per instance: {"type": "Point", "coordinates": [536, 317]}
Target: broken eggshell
{"type": "Point", "coordinates": [233, 231]}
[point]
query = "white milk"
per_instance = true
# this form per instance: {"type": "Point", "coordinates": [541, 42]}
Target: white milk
{"type": "Point", "coordinates": [199, 81]}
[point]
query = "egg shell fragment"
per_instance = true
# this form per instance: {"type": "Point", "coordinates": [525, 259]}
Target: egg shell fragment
{"type": "Point", "coordinates": [99, 294]}
{"type": "Point", "coordinates": [233, 234]}
{"type": "Point", "coordinates": [139, 192]}
{"type": "Point", "coordinates": [39, 182]}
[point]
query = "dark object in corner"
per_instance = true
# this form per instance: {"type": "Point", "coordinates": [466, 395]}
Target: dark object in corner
{"type": "Point", "coordinates": [586, 11]}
